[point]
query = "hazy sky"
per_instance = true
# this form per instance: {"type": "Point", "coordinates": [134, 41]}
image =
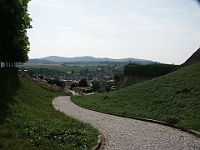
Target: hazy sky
{"type": "Point", "coordinates": [166, 31]}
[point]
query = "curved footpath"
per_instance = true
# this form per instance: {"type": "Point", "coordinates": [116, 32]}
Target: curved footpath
{"type": "Point", "coordinates": [129, 134]}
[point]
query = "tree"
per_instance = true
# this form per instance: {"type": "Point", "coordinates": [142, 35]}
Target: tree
{"type": "Point", "coordinates": [72, 72]}
{"type": "Point", "coordinates": [117, 77]}
{"type": "Point", "coordinates": [107, 88]}
{"type": "Point", "coordinates": [15, 21]}
{"type": "Point", "coordinates": [83, 83]}
{"type": "Point", "coordinates": [96, 85]}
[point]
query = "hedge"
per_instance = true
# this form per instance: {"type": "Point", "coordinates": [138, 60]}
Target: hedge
{"type": "Point", "coordinates": [150, 70]}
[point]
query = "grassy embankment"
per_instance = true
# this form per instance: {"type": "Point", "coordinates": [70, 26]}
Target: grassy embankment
{"type": "Point", "coordinates": [172, 98]}
{"type": "Point", "coordinates": [28, 121]}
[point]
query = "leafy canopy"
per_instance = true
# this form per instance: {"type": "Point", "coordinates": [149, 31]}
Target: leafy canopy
{"type": "Point", "coordinates": [15, 20]}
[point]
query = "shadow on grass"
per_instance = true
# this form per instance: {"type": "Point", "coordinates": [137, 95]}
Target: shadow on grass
{"type": "Point", "coordinates": [7, 98]}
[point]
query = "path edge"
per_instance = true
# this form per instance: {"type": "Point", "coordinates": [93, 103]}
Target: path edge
{"type": "Point", "coordinates": [100, 142]}
{"type": "Point", "coordinates": [101, 139]}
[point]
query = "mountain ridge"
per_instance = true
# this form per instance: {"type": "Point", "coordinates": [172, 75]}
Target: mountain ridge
{"type": "Point", "coordinates": [94, 59]}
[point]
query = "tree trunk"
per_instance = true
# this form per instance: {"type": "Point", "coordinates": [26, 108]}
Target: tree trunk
{"type": "Point", "coordinates": [0, 54]}
{"type": "Point", "coordinates": [6, 64]}
{"type": "Point", "coordinates": [0, 58]}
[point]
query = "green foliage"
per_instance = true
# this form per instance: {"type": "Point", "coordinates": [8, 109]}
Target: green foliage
{"type": "Point", "coordinates": [149, 70]}
{"type": "Point", "coordinates": [96, 85]}
{"type": "Point", "coordinates": [83, 83]}
{"type": "Point", "coordinates": [172, 98]}
{"type": "Point", "coordinates": [118, 77]}
{"type": "Point", "coordinates": [73, 85]}
{"type": "Point", "coordinates": [30, 121]}
{"type": "Point", "coordinates": [15, 21]}
{"type": "Point", "coordinates": [72, 72]}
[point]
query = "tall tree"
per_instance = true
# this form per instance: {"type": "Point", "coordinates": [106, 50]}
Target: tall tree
{"type": "Point", "coordinates": [15, 21]}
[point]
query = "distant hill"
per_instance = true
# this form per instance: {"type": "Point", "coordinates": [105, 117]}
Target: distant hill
{"type": "Point", "coordinates": [93, 59]}
{"type": "Point", "coordinates": [40, 61]}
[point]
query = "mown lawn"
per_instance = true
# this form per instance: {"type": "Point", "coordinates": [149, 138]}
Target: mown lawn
{"type": "Point", "coordinates": [29, 121]}
{"type": "Point", "coordinates": [172, 98]}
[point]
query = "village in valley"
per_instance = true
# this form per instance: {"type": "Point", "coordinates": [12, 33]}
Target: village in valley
{"type": "Point", "coordinates": [82, 79]}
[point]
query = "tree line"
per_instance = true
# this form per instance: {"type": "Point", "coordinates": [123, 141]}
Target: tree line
{"type": "Point", "coordinates": [149, 70]}
{"type": "Point", "coordinates": [43, 71]}
{"type": "Point", "coordinates": [14, 22]}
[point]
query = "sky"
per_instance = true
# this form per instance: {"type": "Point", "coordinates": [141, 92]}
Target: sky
{"type": "Point", "coordinates": [166, 31]}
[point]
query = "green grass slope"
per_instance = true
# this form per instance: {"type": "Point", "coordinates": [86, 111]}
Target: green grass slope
{"type": "Point", "coordinates": [172, 98]}
{"type": "Point", "coordinates": [28, 121]}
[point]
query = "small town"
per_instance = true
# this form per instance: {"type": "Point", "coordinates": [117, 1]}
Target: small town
{"type": "Point", "coordinates": [100, 79]}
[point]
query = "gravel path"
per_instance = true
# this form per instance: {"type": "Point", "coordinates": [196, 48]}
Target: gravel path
{"type": "Point", "coordinates": [129, 134]}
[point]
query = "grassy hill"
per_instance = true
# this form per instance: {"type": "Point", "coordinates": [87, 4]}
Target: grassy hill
{"type": "Point", "coordinates": [28, 121]}
{"type": "Point", "coordinates": [172, 98]}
